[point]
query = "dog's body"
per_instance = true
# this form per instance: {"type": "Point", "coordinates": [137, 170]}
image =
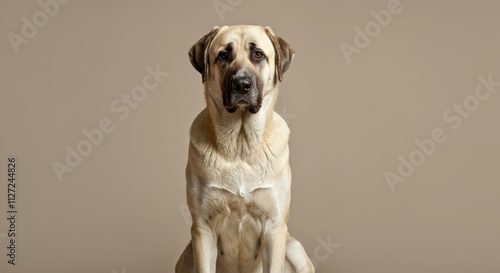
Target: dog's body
{"type": "Point", "coordinates": [238, 175]}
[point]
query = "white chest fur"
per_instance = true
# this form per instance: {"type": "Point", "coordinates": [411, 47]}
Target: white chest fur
{"type": "Point", "coordinates": [242, 192]}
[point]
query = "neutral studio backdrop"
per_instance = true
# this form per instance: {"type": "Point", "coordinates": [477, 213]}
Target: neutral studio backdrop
{"type": "Point", "coordinates": [394, 144]}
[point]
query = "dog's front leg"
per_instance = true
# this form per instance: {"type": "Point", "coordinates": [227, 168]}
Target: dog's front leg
{"type": "Point", "coordinates": [274, 247]}
{"type": "Point", "coordinates": [204, 247]}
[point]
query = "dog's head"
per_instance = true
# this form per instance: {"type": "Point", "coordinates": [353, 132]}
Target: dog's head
{"type": "Point", "coordinates": [242, 63]}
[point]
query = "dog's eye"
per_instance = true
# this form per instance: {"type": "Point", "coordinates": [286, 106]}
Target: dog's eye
{"type": "Point", "coordinates": [223, 56]}
{"type": "Point", "coordinates": [259, 54]}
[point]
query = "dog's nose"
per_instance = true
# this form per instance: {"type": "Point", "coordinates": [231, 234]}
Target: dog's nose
{"type": "Point", "coordinates": [242, 85]}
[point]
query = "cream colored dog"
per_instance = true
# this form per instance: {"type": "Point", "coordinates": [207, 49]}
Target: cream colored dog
{"type": "Point", "coordinates": [238, 175]}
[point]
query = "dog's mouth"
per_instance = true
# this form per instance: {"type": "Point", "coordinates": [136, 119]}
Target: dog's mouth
{"type": "Point", "coordinates": [233, 104]}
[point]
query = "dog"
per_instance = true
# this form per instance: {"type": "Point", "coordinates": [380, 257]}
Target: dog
{"type": "Point", "coordinates": [238, 174]}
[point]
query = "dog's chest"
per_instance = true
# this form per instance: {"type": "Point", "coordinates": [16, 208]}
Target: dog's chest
{"type": "Point", "coordinates": [239, 202]}
{"type": "Point", "coordinates": [240, 195]}
{"type": "Point", "coordinates": [238, 215]}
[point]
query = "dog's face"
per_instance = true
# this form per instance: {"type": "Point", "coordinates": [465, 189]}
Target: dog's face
{"type": "Point", "coordinates": [241, 63]}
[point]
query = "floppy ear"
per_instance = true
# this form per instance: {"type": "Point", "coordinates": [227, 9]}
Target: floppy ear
{"type": "Point", "coordinates": [283, 54]}
{"type": "Point", "coordinates": [198, 54]}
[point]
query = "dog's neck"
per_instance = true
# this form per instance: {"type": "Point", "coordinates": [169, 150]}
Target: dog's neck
{"type": "Point", "coordinates": [241, 134]}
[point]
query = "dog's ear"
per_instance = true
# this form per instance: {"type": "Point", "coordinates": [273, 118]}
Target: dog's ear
{"type": "Point", "coordinates": [284, 54]}
{"type": "Point", "coordinates": [198, 54]}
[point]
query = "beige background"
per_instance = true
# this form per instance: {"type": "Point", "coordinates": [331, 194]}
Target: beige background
{"type": "Point", "coordinates": [122, 209]}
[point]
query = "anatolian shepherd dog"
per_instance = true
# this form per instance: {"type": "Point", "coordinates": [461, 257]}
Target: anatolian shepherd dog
{"type": "Point", "coordinates": [238, 175]}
